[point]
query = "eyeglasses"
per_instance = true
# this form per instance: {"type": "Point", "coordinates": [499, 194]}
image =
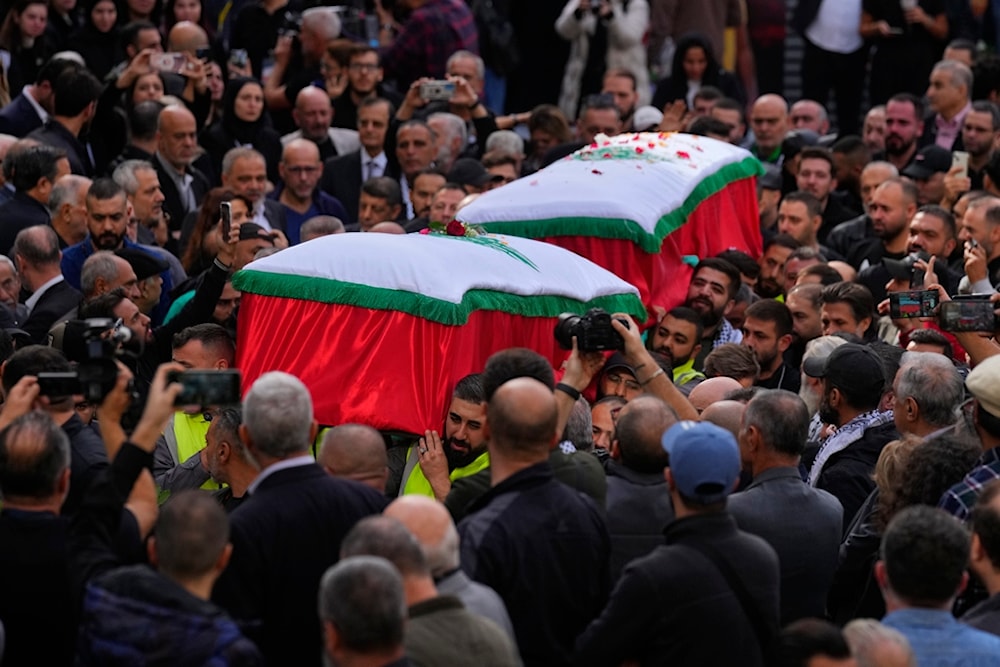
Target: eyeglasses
{"type": "Point", "coordinates": [362, 67]}
{"type": "Point", "coordinates": [616, 379]}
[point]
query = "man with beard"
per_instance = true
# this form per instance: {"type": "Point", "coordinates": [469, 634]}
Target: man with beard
{"type": "Point", "coordinates": [433, 463]}
{"type": "Point", "coordinates": [904, 124]}
{"type": "Point", "coordinates": [933, 231]}
{"type": "Point", "coordinates": [893, 206]}
{"type": "Point", "coordinates": [771, 282]}
{"type": "Point", "coordinates": [853, 380]}
{"type": "Point", "coordinates": [107, 220]}
{"type": "Point", "coordinates": [767, 331]}
{"type": "Point", "coordinates": [855, 239]}
{"type": "Point", "coordinates": [804, 303]}
{"type": "Point", "coordinates": [980, 133]}
{"type": "Point", "coordinates": [712, 294]}
{"type": "Point", "coordinates": [980, 233]}
{"type": "Point", "coordinates": [678, 337]}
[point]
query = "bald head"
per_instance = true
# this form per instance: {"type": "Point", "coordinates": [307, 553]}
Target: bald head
{"type": "Point", "coordinates": [177, 141]}
{"type": "Point", "coordinates": [711, 391]}
{"type": "Point", "coordinates": [523, 417]}
{"type": "Point", "coordinates": [356, 452]}
{"type": "Point", "coordinates": [431, 524]}
{"type": "Point", "coordinates": [313, 114]}
{"type": "Point", "coordinates": [388, 228]}
{"type": "Point", "coordinates": [726, 414]}
{"type": "Point", "coordinates": [187, 36]}
{"type": "Point", "coordinates": [769, 120]}
{"type": "Point", "coordinates": [300, 149]}
{"type": "Point", "coordinates": [640, 426]}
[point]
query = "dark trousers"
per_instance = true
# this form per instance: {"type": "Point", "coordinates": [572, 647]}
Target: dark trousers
{"type": "Point", "coordinates": [844, 74]}
{"type": "Point", "coordinates": [769, 59]}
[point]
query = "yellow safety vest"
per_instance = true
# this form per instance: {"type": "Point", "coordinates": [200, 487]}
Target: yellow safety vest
{"type": "Point", "coordinates": [686, 373]}
{"type": "Point", "coordinates": [189, 438]}
{"type": "Point", "coordinates": [417, 484]}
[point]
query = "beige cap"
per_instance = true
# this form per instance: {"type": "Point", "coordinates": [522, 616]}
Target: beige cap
{"type": "Point", "coordinates": [984, 383]}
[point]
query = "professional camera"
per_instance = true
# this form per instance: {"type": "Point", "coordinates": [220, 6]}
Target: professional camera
{"type": "Point", "coordinates": [593, 331]}
{"type": "Point", "coordinates": [93, 345]}
{"type": "Point", "coordinates": [905, 269]}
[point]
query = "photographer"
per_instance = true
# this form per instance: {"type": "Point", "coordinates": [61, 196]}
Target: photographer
{"type": "Point", "coordinates": [42, 579]}
{"type": "Point", "coordinates": [319, 25]}
{"type": "Point", "coordinates": [156, 343]}
{"type": "Point", "coordinates": [582, 367]}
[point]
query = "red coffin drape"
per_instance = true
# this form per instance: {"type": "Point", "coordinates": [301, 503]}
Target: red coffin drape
{"type": "Point", "coordinates": [727, 219]}
{"type": "Point", "coordinates": [387, 369]}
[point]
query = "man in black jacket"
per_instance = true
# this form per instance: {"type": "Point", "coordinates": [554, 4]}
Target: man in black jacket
{"type": "Point", "coordinates": [290, 530]}
{"type": "Point", "coordinates": [728, 580]}
{"type": "Point", "coordinates": [853, 382]}
{"type": "Point", "coordinates": [538, 543]}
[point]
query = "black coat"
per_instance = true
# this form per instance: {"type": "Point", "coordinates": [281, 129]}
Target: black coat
{"type": "Point", "coordinates": [803, 525]}
{"type": "Point", "coordinates": [21, 212]}
{"type": "Point", "coordinates": [342, 179]}
{"type": "Point", "coordinates": [55, 134]}
{"type": "Point", "coordinates": [284, 537]}
{"type": "Point", "coordinates": [172, 198]}
{"type": "Point", "coordinates": [544, 548]}
{"type": "Point", "coordinates": [675, 607]}
{"type": "Point", "coordinates": [847, 474]}
{"type": "Point", "coordinates": [19, 118]}
{"type": "Point", "coordinates": [53, 304]}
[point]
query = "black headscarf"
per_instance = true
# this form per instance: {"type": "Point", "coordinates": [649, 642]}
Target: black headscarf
{"type": "Point", "coordinates": [244, 132]}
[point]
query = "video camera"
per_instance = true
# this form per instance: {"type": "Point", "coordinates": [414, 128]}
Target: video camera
{"type": "Point", "coordinates": [93, 345]}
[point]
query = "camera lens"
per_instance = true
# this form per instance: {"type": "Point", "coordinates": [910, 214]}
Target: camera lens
{"type": "Point", "coordinates": [566, 327]}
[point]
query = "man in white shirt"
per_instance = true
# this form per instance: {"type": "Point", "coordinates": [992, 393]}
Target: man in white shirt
{"type": "Point", "coordinates": [834, 57]}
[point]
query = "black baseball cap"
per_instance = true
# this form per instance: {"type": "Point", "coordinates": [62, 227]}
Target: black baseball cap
{"type": "Point", "coordinates": [145, 264]}
{"type": "Point", "coordinates": [850, 365]}
{"type": "Point", "coordinates": [469, 171]}
{"type": "Point", "coordinates": [927, 162]}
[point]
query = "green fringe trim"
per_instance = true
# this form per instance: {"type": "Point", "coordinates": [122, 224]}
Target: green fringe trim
{"type": "Point", "coordinates": [325, 290]}
{"type": "Point", "coordinates": [630, 230]}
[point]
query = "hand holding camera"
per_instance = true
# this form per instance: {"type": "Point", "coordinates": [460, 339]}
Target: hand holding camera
{"type": "Point", "coordinates": [159, 407]}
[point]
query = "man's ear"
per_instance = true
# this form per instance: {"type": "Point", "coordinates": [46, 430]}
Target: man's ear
{"type": "Point", "coordinates": [151, 551]}
{"type": "Point", "coordinates": [784, 342]}
{"type": "Point", "coordinates": [881, 576]}
{"type": "Point", "coordinates": [224, 557]}
{"type": "Point", "coordinates": [976, 551]}
{"type": "Point", "coordinates": [225, 451]}
{"type": "Point", "coordinates": [615, 450]}
{"type": "Point", "coordinates": [732, 304]}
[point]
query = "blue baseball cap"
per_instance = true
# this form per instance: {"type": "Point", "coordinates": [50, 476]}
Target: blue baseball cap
{"type": "Point", "coordinates": [704, 460]}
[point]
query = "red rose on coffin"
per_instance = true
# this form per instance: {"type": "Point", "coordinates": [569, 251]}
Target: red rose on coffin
{"type": "Point", "coordinates": [455, 228]}
{"type": "Point", "coordinates": [425, 230]}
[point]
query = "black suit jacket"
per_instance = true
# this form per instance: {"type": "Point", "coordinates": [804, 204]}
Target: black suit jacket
{"type": "Point", "coordinates": [20, 213]}
{"type": "Point", "coordinates": [19, 118]}
{"type": "Point", "coordinates": [172, 198]}
{"type": "Point", "coordinates": [342, 179]}
{"type": "Point", "coordinates": [56, 302]}
{"type": "Point", "coordinates": [56, 134]}
{"type": "Point", "coordinates": [284, 538]}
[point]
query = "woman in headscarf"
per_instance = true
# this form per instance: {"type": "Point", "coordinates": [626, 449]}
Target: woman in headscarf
{"type": "Point", "coordinates": [244, 123]}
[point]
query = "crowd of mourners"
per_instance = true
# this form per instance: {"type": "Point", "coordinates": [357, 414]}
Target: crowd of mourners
{"type": "Point", "coordinates": [797, 466]}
